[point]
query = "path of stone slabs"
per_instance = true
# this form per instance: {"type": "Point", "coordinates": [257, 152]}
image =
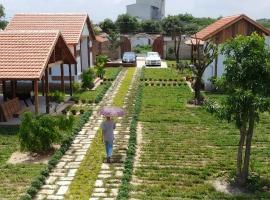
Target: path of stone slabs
{"type": "Point", "coordinates": [60, 178]}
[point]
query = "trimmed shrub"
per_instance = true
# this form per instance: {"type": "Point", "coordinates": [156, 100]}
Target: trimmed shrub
{"type": "Point", "coordinates": [76, 87]}
{"type": "Point", "coordinates": [88, 79]}
{"type": "Point", "coordinates": [39, 133]}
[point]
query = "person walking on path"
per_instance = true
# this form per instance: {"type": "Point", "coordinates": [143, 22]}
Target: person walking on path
{"type": "Point", "coordinates": [108, 127]}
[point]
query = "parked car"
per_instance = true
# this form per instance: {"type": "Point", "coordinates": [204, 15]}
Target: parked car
{"type": "Point", "coordinates": [129, 57]}
{"type": "Point", "coordinates": [153, 59]}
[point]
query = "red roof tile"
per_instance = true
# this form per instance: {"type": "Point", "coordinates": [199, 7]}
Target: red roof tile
{"type": "Point", "coordinates": [204, 33]}
{"type": "Point", "coordinates": [70, 25]}
{"type": "Point", "coordinates": [25, 54]}
{"type": "Point", "coordinates": [222, 23]}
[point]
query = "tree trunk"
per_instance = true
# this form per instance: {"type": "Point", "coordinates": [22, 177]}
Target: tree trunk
{"type": "Point", "coordinates": [197, 89]}
{"type": "Point", "coordinates": [245, 171]}
{"type": "Point", "coordinates": [240, 156]}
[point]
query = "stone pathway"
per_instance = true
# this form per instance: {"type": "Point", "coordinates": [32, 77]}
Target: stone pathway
{"type": "Point", "coordinates": [109, 178]}
{"type": "Point", "coordinates": [60, 178]}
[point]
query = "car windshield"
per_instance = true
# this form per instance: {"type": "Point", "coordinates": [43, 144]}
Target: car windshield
{"type": "Point", "coordinates": [129, 54]}
{"type": "Point", "coordinates": [152, 54]}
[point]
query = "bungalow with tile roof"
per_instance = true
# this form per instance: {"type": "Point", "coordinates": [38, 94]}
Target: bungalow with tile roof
{"type": "Point", "coordinates": [219, 32]}
{"type": "Point", "coordinates": [28, 56]}
{"type": "Point", "coordinates": [75, 28]}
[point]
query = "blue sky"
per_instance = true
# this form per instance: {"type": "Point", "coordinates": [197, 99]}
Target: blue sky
{"type": "Point", "coordinates": [100, 9]}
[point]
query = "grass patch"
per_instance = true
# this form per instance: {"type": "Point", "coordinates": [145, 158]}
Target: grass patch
{"type": "Point", "coordinates": [14, 179]}
{"type": "Point", "coordinates": [112, 72]}
{"type": "Point", "coordinates": [92, 95]}
{"type": "Point", "coordinates": [120, 96]}
{"type": "Point", "coordinates": [184, 148]}
{"type": "Point", "coordinates": [84, 181]}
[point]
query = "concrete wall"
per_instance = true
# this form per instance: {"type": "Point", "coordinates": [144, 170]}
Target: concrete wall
{"type": "Point", "coordinates": [140, 40]}
{"type": "Point", "coordinates": [185, 50]}
{"type": "Point", "coordinates": [140, 11]}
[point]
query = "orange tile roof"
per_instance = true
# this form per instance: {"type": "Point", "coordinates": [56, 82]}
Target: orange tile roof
{"type": "Point", "coordinates": [25, 54]}
{"type": "Point", "coordinates": [70, 25]}
{"type": "Point", "coordinates": [224, 22]}
{"type": "Point", "coordinates": [204, 33]}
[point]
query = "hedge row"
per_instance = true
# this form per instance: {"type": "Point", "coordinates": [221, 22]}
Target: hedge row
{"type": "Point", "coordinates": [162, 80]}
{"type": "Point", "coordinates": [166, 84]}
{"type": "Point", "coordinates": [128, 165]}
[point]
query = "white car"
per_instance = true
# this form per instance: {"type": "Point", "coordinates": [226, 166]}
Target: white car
{"type": "Point", "coordinates": [153, 59]}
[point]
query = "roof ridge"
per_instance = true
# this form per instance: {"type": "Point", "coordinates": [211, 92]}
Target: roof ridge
{"type": "Point", "coordinates": [30, 31]}
{"type": "Point", "coordinates": [232, 16]}
{"type": "Point", "coordinates": [82, 14]}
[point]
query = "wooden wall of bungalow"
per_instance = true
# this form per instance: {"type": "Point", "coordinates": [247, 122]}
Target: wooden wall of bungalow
{"type": "Point", "coordinates": [241, 27]}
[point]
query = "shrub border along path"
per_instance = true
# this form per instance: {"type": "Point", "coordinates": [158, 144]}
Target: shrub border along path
{"type": "Point", "coordinates": [58, 181]}
{"type": "Point", "coordinates": [109, 178]}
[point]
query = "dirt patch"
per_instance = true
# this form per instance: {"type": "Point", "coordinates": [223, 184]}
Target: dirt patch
{"type": "Point", "coordinates": [225, 187]}
{"type": "Point", "coordinates": [30, 158]}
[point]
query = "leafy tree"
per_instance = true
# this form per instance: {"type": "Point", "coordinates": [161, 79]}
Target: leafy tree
{"type": "Point", "coordinates": [97, 30]}
{"type": "Point", "coordinates": [264, 22]}
{"type": "Point", "coordinates": [114, 41]}
{"type": "Point", "coordinates": [108, 26]}
{"type": "Point", "coordinates": [203, 57]}
{"type": "Point", "coordinates": [127, 24]}
{"type": "Point", "coordinates": [3, 22]}
{"type": "Point", "coordinates": [100, 62]}
{"type": "Point", "coordinates": [151, 26]}
{"type": "Point", "coordinates": [173, 26]}
{"type": "Point", "coordinates": [246, 81]}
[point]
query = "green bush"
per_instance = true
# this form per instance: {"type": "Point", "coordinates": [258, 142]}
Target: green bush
{"type": "Point", "coordinates": [142, 48]}
{"type": "Point", "coordinates": [100, 71]}
{"type": "Point", "coordinates": [57, 96]}
{"type": "Point", "coordinates": [39, 133]}
{"type": "Point", "coordinates": [88, 79]}
{"type": "Point", "coordinates": [101, 60]}
{"type": "Point", "coordinates": [76, 87]}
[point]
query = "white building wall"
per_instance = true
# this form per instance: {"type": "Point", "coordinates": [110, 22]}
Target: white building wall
{"type": "Point", "coordinates": [84, 50]}
{"type": "Point", "coordinates": [56, 71]}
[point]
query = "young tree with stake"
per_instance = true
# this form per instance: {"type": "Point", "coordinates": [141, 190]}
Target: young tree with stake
{"type": "Point", "coordinates": [202, 58]}
{"type": "Point", "coordinates": [246, 82]}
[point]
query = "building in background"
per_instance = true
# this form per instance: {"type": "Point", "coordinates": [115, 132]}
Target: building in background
{"type": "Point", "coordinates": [147, 9]}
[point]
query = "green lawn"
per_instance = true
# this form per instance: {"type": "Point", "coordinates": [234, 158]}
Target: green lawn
{"type": "Point", "coordinates": [156, 74]}
{"type": "Point", "coordinates": [112, 72]}
{"type": "Point", "coordinates": [184, 148]}
{"type": "Point", "coordinates": [14, 179]}
{"type": "Point", "coordinates": [119, 98]}
{"type": "Point", "coordinates": [90, 95]}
